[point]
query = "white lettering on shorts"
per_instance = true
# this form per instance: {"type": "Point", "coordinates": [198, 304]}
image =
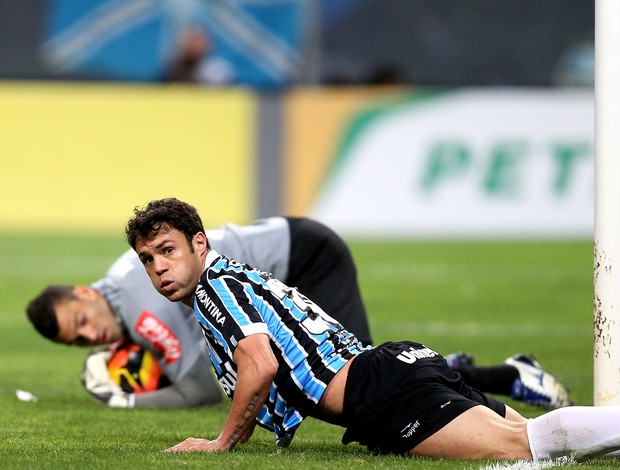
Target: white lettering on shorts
{"type": "Point", "coordinates": [412, 355]}
{"type": "Point", "coordinates": [410, 429]}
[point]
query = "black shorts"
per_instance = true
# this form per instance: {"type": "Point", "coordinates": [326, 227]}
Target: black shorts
{"type": "Point", "coordinates": [398, 394]}
{"type": "Point", "coordinates": [322, 268]}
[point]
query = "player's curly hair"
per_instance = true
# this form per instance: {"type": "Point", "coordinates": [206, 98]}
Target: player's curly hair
{"type": "Point", "coordinates": [41, 310]}
{"type": "Point", "coordinates": [161, 214]}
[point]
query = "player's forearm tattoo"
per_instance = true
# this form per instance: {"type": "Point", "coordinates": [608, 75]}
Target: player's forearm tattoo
{"type": "Point", "coordinates": [239, 429]}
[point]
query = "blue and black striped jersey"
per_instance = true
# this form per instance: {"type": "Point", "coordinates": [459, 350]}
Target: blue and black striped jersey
{"type": "Point", "coordinates": [234, 300]}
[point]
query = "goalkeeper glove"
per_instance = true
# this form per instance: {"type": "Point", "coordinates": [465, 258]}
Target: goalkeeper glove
{"type": "Point", "coordinates": [96, 380]}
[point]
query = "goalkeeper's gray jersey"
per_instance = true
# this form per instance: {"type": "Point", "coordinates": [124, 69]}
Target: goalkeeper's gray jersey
{"type": "Point", "coordinates": [170, 328]}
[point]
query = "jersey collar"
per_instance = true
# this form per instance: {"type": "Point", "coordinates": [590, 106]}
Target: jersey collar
{"type": "Point", "coordinates": [212, 255]}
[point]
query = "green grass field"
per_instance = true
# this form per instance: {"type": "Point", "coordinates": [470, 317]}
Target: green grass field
{"type": "Point", "coordinates": [492, 299]}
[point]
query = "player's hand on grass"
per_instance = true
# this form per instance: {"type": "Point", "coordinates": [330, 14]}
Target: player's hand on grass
{"type": "Point", "coordinates": [195, 444]}
{"type": "Point", "coordinates": [96, 380]}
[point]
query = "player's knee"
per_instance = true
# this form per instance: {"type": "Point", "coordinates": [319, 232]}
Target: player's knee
{"type": "Point", "coordinates": [511, 443]}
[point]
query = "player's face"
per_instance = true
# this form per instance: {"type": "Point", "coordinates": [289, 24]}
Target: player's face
{"type": "Point", "coordinates": [86, 320]}
{"type": "Point", "coordinates": [172, 265]}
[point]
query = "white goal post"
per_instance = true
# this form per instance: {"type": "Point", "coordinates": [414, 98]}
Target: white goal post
{"type": "Point", "coordinates": [607, 204]}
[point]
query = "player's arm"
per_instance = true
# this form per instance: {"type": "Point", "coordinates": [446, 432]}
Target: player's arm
{"type": "Point", "coordinates": [256, 370]}
{"type": "Point", "coordinates": [196, 387]}
{"type": "Point", "coordinates": [190, 374]}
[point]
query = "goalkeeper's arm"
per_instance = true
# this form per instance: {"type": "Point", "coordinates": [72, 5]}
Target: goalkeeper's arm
{"type": "Point", "coordinates": [197, 387]}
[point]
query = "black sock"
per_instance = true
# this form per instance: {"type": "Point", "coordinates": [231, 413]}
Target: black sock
{"type": "Point", "coordinates": [490, 379]}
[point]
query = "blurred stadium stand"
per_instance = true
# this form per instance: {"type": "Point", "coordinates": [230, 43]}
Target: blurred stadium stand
{"type": "Point", "coordinates": [460, 42]}
{"type": "Point", "coordinates": [21, 35]}
{"type": "Point", "coordinates": [422, 42]}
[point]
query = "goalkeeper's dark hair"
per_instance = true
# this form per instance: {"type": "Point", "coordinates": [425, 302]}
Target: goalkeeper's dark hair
{"type": "Point", "coordinates": [161, 214]}
{"type": "Point", "coordinates": [41, 310]}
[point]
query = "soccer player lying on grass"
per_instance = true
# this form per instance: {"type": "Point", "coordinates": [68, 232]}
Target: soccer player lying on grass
{"type": "Point", "coordinates": [124, 306]}
{"type": "Point", "coordinates": [280, 358]}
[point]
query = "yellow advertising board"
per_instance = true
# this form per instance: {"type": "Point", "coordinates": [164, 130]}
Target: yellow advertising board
{"type": "Point", "coordinates": [80, 157]}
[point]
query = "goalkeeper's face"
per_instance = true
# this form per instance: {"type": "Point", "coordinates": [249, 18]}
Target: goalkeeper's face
{"type": "Point", "coordinates": [86, 320]}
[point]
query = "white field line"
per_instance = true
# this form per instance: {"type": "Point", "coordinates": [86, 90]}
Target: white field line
{"type": "Point", "coordinates": [526, 465]}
